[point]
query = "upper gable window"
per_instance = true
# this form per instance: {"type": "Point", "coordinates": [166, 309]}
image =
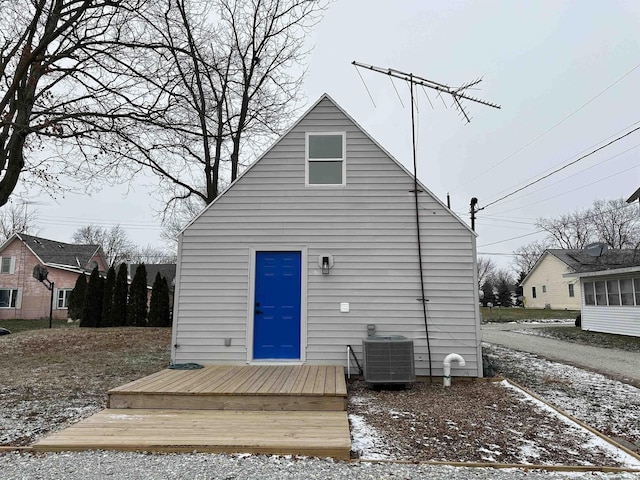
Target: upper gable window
{"type": "Point", "coordinates": [325, 159]}
{"type": "Point", "coordinates": [7, 264]}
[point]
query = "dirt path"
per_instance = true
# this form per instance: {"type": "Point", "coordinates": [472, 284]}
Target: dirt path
{"type": "Point", "coordinates": [619, 364]}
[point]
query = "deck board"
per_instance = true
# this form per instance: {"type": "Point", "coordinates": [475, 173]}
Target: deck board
{"type": "Point", "coordinates": [294, 433]}
{"type": "Point", "coordinates": [242, 387]}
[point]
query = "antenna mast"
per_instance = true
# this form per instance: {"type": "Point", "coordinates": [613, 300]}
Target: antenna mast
{"type": "Point", "coordinates": [457, 94]}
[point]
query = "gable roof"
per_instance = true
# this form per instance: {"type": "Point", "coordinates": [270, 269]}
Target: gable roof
{"type": "Point", "coordinates": [54, 253]}
{"type": "Point", "coordinates": [326, 96]}
{"type": "Point", "coordinates": [579, 261]}
{"type": "Point", "coordinates": [634, 196]}
{"type": "Point", "coordinates": [167, 270]}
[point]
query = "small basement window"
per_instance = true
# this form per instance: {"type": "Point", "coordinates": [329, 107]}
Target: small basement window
{"type": "Point", "coordinates": [325, 159]}
{"type": "Point", "coordinates": [572, 292]}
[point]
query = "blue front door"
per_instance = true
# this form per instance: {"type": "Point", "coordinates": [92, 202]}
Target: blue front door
{"type": "Point", "coordinates": [276, 320]}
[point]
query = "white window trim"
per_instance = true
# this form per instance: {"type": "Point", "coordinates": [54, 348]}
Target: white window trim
{"type": "Point", "coordinates": [57, 298]}
{"type": "Point", "coordinates": [307, 160]}
{"type": "Point", "coordinates": [11, 297]}
{"type": "Point", "coordinates": [12, 266]}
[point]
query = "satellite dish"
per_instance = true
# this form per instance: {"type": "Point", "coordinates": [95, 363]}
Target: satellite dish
{"type": "Point", "coordinates": [596, 249]}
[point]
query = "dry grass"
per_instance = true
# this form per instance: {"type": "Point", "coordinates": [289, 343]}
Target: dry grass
{"type": "Point", "coordinates": [50, 378]}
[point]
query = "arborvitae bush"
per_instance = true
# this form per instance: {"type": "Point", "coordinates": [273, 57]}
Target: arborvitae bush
{"type": "Point", "coordinates": [107, 298]}
{"type": "Point", "coordinates": [154, 304]}
{"type": "Point", "coordinates": [93, 301]}
{"type": "Point", "coordinates": [159, 304]}
{"type": "Point", "coordinates": [120, 292]}
{"type": "Point", "coordinates": [76, 298]}
{"type": "Point", "coordinates": [137, 305]}
{"type": "Point", "coordinates": [165, 308]}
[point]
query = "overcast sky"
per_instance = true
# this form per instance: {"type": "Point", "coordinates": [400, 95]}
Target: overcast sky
{"type": "Point", "coordinates": [564, 72]}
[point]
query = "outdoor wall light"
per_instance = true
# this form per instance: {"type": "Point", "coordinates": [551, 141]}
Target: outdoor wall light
{"type": "Point", "coordinates": [325, 262]}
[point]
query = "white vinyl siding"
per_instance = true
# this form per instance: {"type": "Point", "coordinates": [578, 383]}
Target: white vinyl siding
{"type": "Point", "coordinates": [368, 226]}
{"type": "Point", "coordinates": [617, 309]}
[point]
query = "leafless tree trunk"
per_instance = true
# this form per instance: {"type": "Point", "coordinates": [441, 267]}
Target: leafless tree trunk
{"type": "Point", "coordinates": [486, 267]}
{"type": "Point", "coordinates": [53, 92]}
{"type": "Point", "coordinates": [223, 79]}
{"type": "Point", "coordinates": [569, 231]}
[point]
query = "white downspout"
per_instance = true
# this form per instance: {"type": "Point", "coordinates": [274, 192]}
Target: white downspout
{"type": "Point", "coordinates": [447, 366]}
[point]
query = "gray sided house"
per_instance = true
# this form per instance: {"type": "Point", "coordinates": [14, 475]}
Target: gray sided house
{"type": "Point", "coordinates": [315, 242]}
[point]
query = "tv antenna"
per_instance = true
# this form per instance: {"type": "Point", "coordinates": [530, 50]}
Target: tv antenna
{"type": "Point", "coordinates": [458, 94]}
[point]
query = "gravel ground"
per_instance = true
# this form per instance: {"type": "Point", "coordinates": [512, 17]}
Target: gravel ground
{"type": "Point", "coordinates": [130, 466]}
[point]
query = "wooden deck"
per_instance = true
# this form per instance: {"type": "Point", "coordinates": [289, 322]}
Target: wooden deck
{"type": "Point", "coordinates": [324, 434]}
{"type": "Point", "coordinates": [297, 410]}
{"type": "Point", "coordinates": [255, 388]}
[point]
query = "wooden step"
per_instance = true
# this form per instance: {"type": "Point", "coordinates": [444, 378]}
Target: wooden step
{"type": "Point", "coordinates": [252, 388]}
{"type": "Point", "coordinates": [322, 434]}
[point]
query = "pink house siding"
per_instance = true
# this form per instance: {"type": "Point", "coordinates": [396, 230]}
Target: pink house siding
{"type": "Point", "coordinates": [33, 299]}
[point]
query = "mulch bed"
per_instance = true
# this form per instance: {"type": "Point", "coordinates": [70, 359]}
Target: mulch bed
{"type": "Point", "coordinates": [472, 421]}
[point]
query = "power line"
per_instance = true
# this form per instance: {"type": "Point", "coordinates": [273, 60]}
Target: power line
{"type": "Point", "coordinates": [548, 130]}
{"type": "Point", "coordinates": [563, 167]}
{"type": "Point", "coordinates": [575, 189]}
{"type": "Point", "coordinates": [569, 159]}
{"type": "Point", "coordinates": [512, 238]}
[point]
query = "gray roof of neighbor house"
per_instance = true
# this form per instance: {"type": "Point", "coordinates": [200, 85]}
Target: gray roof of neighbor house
{"type": "Point", "coordinates": [634, 196]}
{"type": "Point", "coordinates": [579, 260]}
{"type": "Point", "coordinates": [59, 253]}
{"type": "Point", "coordinates": [167, 270]}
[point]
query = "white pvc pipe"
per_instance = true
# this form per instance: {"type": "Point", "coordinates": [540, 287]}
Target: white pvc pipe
{"type": "Point", "coordinates": [348, 364]}
{"type": "Point", "coordinates": [452, 357]}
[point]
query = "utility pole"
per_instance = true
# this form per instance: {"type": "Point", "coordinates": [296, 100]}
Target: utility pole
{"type": "Point", "coordinates": [457, 94]}
{"type": "Point", "coordinates": [473, 209]}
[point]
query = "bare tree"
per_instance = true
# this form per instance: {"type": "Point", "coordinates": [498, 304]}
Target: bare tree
{"type": "Point", "coordinates": [568, 231]}
{"type": "Point", "coordinates": [486, 268]}
{"type": "Point", "coordinates": [616, 223]}
{"type": "Point", "coordinates": [151, 255]}
{"type": "Point", "coordinates": [526, 256]}
{"type": "Point", "coordinates": [17, 219]}
{"type": "Point", "coordinates": [114, 241]}
{"type": "Point", "coordinates": [224, 79]}
{"type": "Point", "coordinates": [56, 99]}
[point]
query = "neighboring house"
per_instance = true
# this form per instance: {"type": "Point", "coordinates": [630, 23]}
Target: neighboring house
{"type": "Point", "coordinates": [21, 295]}
{"type": "Point", "coordinates": [545, 287]}
{"type": "Point", "coordinates": [634, 196]}
{"type": "Point", "coordinates": [611, 293]}
{"type": "Point", "coordinates": [314, 246]}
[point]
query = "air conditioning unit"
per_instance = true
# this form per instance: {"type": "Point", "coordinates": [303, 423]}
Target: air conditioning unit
{"type": "Point", "coordinates": [388, 359]}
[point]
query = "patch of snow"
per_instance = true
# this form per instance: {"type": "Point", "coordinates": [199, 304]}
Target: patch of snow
{"type": "Point", "coordinates": [594, 440]}
{"type": "Point", "coordinates": [366, 440]}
